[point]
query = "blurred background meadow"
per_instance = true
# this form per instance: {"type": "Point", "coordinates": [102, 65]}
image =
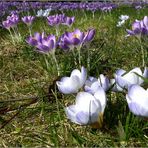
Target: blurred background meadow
{"type": "Point", "coordinates": [31, 106]}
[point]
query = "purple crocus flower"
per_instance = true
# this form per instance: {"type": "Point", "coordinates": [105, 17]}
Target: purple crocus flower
{"type": "Point", "coordinates": [137, 99]}
{"type": "Point", "coordinates": [55, 20]}
{"type": "Point", "coordinates": [72, 39]}
{"type": "Point", "coordinates": [44, 44]}
{"type": "Point", "coordinates": [89, 35]}
{"type": "Point", "coordinates": [69, 40]}
{"type": "Point", "coordinates": [139, 27]}
{"type": "Point", "coordinates": [11, 21]}
{"type": "Point", "coordinates": [68, 20]}
{"type": "Point", "coordinates": [28, 19]}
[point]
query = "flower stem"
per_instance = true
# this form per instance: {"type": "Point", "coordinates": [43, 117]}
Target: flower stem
{"type": "Point", "coordinates": [75, 61]}
{"type": "Point", "coordinates": [57, 30]}
{"type": "Point", "coordinates": [79, 54]}
{"type": "Point", "coordinates": [57, 66]}
{"type": "Point", "coordinates": [142, 52]}
{"type": "Point", "coordinates": [11, 36]}
{"type": "Point", "coordinates": [30, 30]}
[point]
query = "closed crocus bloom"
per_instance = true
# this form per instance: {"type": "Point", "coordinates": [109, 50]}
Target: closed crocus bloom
{"type": "Point", "coordinates": [28, 19]}
{"type": "Point", "coordinates": [89, 35]}
{"type": "Point", "coordinates": [127, 79]}
{"type": "Point", "coordinates": [92, 84]}
{"type": "Point", "coordinates": [68, 20]}
{"type": "Point", "coordinates": [7, 24]}
{"type": "Point", "coordinates": [137, 99]}
{"type": "Point", "coordinates": [72, 84]}
{"type": "Point", "coordinates": [88, 109]}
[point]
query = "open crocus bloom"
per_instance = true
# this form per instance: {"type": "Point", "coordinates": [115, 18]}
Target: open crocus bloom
{"type": "Point", "coordinates": [124, 80]}
{"type": "Point", "coordinates": [44, 44]}
{"type": "Point", "coordinates": [137, 99]}
{"type": "Point", "coordinates": [139, 27]}
{"type": "Point", "coordinates": [72, 84]}
{"type": "Point", "coordinates": [28, 19]}
{"type": "Point", "coordinates": [70, 40]}
{"type": "Point", "coordinates": [93, 84]}
{"type": "Point", "coordinates": [88, 108]}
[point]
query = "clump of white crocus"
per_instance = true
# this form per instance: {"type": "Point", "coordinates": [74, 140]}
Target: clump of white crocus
{"type": "Point", "coordinates": [122, 18]}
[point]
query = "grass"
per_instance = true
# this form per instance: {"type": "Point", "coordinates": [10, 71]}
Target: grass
{"type": "Point", "coordinates": [31, 108]}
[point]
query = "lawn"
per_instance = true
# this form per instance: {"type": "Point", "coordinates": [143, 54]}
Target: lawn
{"type": "Point", "coordinates": [32, 109]}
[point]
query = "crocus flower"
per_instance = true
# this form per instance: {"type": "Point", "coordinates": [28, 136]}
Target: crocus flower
{"type": "Point", "coordinates": [124, 80]}
{"type": "Point", "coordinates": [124, 17]}
{"type": "Point", "coordinates": [11, 21]}
{"type": "Point", "coordinates": [72, 39]}
{"type": "Point", "coordinates": [120, 23]}
{"type": "Point", "coordinates": [68, 20]}
{"type": "Point", "coordinates": [28, 19]}
{"type": "Point", "coordinates": [55, 20]}
{"type": "Point", "coordinates": [88, 108]}
{"type": "Point", "coordinates": [139, 27]}
{"type": "Point", "coordinates": [44, 44]}
{"type": "Point", "coordinates": [89, 35]}
{"type": "Point", "coordinates": [43, 13]}
{"type": "Point", "coordinates": [137, 99]}
{"type": "Point", "coordinates": [72, 84]}
{"type": "Point", "coordinates": [69, 40]}
{"type": "Point", "coordinates": [92, 84]}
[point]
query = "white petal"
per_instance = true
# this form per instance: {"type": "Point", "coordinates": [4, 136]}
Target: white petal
{"type": "Point", "coordinates": [68, 85]}
{"type": "Point", "coordinates": [83, 100]}
{"type": "Point", "coordinates": [138, 94]}
{"type": "Point", "coordinates": [71, 113]}
{"type": "Point", "coordinates": [101, 96]}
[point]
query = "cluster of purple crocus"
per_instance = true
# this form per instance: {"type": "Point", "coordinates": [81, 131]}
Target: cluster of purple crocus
{"type": "Point", "coordinates": [92, 99]}
{"type": "Point", "coordinates": [13, 20]}
{"type": "Point", "coordinates": [19, 7]}
{"type": "Point", "coordinates": [69, 40]}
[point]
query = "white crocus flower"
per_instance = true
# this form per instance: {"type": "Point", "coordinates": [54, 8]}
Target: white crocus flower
{"type": "Point", "coordinates": [137, 99]}
{"type": "Point", "coordinates": [124, 80]}
{"type": "Point", "coordinates": [72, 84]}
{"type": "Point", "coordinates": [124, 17]}
{"type": "Point", "coordinates": [120, 23]}
{"type": "Point", "coordinates": [88, 108]}
{"type": "Point", "coordinates": [43, 13]}
{"type": "Point", "coordinates": [92, 84]}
